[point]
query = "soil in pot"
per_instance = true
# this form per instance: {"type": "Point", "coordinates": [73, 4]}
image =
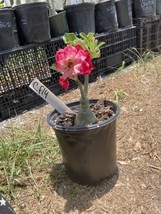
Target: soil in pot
{"type": "Point", "coordinates": [89, 152]}
{"type": "Point", "coordinates": [101, 112]}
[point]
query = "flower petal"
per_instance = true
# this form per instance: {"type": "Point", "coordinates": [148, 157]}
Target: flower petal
{"type": "Point", "coordinates": [64, 83]}
{"type": "Point", "coordinates": [73, 61]}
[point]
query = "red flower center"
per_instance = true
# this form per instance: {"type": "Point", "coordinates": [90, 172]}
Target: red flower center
{"type": "Point", "coordinates": [70, 64]}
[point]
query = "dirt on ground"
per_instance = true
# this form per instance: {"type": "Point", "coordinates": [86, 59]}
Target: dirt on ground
{"type": "Point", "coordinates": [136, 188]}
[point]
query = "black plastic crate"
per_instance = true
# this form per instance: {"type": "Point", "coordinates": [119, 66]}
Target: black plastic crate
{"type": "Point", "coordinates": [51, 48]}
{"type": "Point", "coordinates": [18, 68]}
{"type": "Point", "coordinates": [112, 55]}
{"type": "Point", "coordinates": [18, 99]}
{"type": "Point", "coordinates": [148, 33]}
{"type": "Point", "coordinates": [117, 47]}
{"type": "Point", "coordinates": [21, 99]}
{"type": "Point", "coordinates": [109, 64]}
{"type": "Point", "coordinates": [115, 37]}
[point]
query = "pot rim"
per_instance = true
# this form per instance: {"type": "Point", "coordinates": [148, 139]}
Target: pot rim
{"type": "Point", "coordinates": [4, 9]}
{"type": "Point", "coordinates": [29, 4]}
{"type": "Point", "coordinates": [58, 14]}
{"type": "Point", "coordinates": [84, 4]}
{"type": "Point", "coordinates": [83, 128]}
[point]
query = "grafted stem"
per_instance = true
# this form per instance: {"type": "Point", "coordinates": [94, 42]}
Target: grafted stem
{"type": "Point", "coordinates": [85, 115]}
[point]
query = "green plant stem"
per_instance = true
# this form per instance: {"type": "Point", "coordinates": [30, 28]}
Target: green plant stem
{"type": "Point", "coordinates": [86, 80]}
{"type": "Point", "coordinates": [83, 95]}
{"type": "Point", "coordinates": [85, 115]}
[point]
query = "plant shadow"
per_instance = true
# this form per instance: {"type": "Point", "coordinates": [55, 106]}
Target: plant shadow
{"type": "Point", "coordinates": [79, 197]}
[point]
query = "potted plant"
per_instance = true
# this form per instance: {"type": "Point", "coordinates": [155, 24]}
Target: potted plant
{"type": "Point", "coordinates": [87, 134]}
{"type": "Point", "coordinates": [58, 21]}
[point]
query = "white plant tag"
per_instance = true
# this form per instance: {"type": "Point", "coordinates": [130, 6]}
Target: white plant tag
{"type": "Point", "coordinates": [49, 97]}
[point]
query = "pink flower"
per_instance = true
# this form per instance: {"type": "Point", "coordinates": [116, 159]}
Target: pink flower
{"type": "Point", "coordinates": [64, 83]}
{"type": "Point", "coordinates": [73, 61]}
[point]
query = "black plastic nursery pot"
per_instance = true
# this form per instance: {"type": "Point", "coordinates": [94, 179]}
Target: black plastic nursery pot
{"type": "Point", "coordinates": [58, 24]}
{"type": "Point", "coordinates": [33, 22]}
{"type": "Point", "coordinates": [89, 152]}
{"type": "Point", "coordinates": [8, 29]}
{"type": "Point", "coordinates": [124, 13]}
{"type": "Point", "coordinates": [80, 17]}
{"type": "Point", "coordinates": [106, 17]}
{"type": "Point", "coordinates": [144, 8]}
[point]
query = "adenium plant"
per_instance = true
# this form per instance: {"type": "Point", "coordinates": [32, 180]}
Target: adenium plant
{"type": "Point", "coordinates": [76, 59]}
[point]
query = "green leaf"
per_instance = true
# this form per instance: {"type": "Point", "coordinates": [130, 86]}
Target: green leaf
{"type": "Point", "coordinates": [95, 54]}
{"type": "Point", "coordinates": [87, 41]}
{"type": "Point", "coordinates": [81, 42]}
{"type": "Point", "coordinates": [69, 38]}
{"type": "Point", "coordinates": [53, 67]}
{"type": "Point", "coordinates": [100, 44]}
{"type": "Point", "coordinates": [84, 36]}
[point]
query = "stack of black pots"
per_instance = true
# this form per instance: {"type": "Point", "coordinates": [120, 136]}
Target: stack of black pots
{"type": "Point", "coordinates": [105, 16]}
{"type": "Point", "coordinates": [24, 24]}
{"type": "Point", "coordinates": [29, 23]}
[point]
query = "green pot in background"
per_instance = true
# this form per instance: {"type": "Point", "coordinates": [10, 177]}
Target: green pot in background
{"type": "Point", "coordinates": [58, 24]}
{"type": "Point", "coordinates": [158, 7]}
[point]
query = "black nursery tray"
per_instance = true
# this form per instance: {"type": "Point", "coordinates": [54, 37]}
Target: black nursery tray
{"type": "Point", "coordinates": [148, 33]}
